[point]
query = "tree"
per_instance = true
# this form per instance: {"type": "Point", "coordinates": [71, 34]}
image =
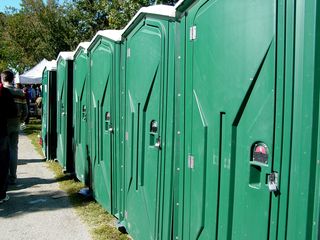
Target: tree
{"type": "Point", "coordinates": [86, 17]}
{"type": "Point", "coordinates": [40, 30]}
{"type": "Point", "coordinates": [37, 31]}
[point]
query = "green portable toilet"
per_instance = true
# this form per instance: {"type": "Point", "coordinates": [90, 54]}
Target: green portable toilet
{"type": "Point", "coordinates": [49, 111]}
{"type": "Point", "coordinates": [230, 119]}
{"type": "Point", "coordinates": [64, 110]}
{"type": "Point", "coordinates": [80, 108]}
{"type": "Point", "coordinates": [246, 171]}
{"type": "Point", "coordinates": [104, 53]}
{"type": "Point", "coordinates": [148, 86]}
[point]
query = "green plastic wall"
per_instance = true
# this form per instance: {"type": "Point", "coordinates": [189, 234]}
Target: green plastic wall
{"type": "Point", "coordinates": [65, 114]}
{"type": "Point", "coordinates": [148, 65]}
{"type": "Point", "coordinates": [49, 114]}
{"type": "Point", "coordinates": [302, 216]}
{"type": "Point", "coordinates": [104, 120]}
{"type": "Point", "coordinates": [44, 117]}
{"type": "Point", "coordinates": [249, 75]}
{"type": "Point", "coordinates": [81, 106]}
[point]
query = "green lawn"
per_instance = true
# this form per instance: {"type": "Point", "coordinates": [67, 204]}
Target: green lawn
{"type": "Point", "coordinates": [101, 223]}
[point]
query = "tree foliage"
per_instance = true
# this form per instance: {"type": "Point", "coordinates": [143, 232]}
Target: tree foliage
{"type": "Point", "coordinates": [35, 32]}
{"type": "Point", "coordinates": [41, 30]}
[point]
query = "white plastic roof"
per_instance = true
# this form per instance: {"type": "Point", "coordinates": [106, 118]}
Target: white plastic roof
{"type": "Point", "coordinates": [83, 45]}
{"type": "Point", "coordinates": [52, 65]}
{"type": "Point", "coordinates": [34, 75]}
{"type": "Point", "coordinates": [160, 10]}
{"type": "Point", "coordinates": [115, 35]}
{"type": "Point", "coordinates": [65, 56]}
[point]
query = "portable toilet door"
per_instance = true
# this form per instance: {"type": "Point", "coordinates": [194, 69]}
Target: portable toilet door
{"type": "Point", "coordinates": [104, 52]}
{"type": "Point", "coordinates": [49, 111]}
{"type": "Point", "coordinates": [149, 83]}
{"type": "Point", "coordinates": [64, 110]}
{"type": "Point", "coordinates": [231, 159]}
{"type": "Point", "coordinates": [44, 117]}
{"type": "Point", "coordinates": [80, 110]}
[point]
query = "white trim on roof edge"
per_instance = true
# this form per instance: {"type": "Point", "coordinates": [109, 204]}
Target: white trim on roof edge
{"type": "Point", "coordinates": [83, 45]}
{"type": "Point", "coordinates": [52, 65]}
{"type": "Point", "coordinates": [65, 55]}
{"type": "Point", "coordinates": [115, 35]}
{"type": "Point", "coordinates": [161, 10]}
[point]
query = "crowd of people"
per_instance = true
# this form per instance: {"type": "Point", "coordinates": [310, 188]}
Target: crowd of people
{"type": "Point", "coordinates": [14, 102]}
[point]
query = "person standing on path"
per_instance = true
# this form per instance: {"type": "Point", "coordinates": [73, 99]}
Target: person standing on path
{"type": "Point", "coordinates": [32, 93]}
{"type": "Point", "coordinates": [7, 78]}
{"type": "Point", "coordinates": [26, 94]}
{"type": "Point", "coordinates": [8, 110]}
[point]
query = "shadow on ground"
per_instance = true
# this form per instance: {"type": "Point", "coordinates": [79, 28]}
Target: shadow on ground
{"type": "Point", "coordinates": [32, 194]}
{"type": "Point", "coordinates": [29, 197]}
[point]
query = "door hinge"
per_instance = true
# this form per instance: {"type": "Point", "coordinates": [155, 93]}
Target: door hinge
{"type": "Point", "coordinates": [128, 52]}
{"type": "Point", "coordinates": [91, 63]}
{"type": "Point", "coordinates": [190, 161]}
{"type": "Point", "coordinates": [193, 33]}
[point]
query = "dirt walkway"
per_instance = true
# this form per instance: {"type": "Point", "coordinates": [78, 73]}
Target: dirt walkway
{"type": "Point", "coordinates": [37, 209]}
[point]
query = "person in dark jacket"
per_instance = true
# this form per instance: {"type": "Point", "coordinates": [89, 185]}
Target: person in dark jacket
{"type": "Point", "coordinates": [14, 123]}
{"type": "Point", "coordinates": [8, 110]}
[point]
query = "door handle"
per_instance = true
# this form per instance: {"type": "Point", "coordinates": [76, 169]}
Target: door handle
{"type": "Point", "coordinates": [273, 183]}
{"type": "Point", "coordinates": [158, 143]}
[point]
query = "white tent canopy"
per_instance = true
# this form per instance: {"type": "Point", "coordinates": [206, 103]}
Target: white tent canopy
{"type": "Point", "coordinates": [34, 75]}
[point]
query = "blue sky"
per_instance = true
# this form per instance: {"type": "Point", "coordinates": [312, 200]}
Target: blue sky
{"type": "Point", "coordinates": [13, 3]}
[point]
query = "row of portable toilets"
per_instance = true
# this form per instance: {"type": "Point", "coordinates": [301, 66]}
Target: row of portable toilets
{"type": "Point", "coordinates": [198, 121]}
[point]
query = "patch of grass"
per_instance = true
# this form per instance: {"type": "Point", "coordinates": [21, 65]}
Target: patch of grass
{"type": "Point", "coordinates": [101, 223]}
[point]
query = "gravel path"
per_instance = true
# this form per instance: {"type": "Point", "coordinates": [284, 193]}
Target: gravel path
{"type": "Point", "coordinates": [37, 209]}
